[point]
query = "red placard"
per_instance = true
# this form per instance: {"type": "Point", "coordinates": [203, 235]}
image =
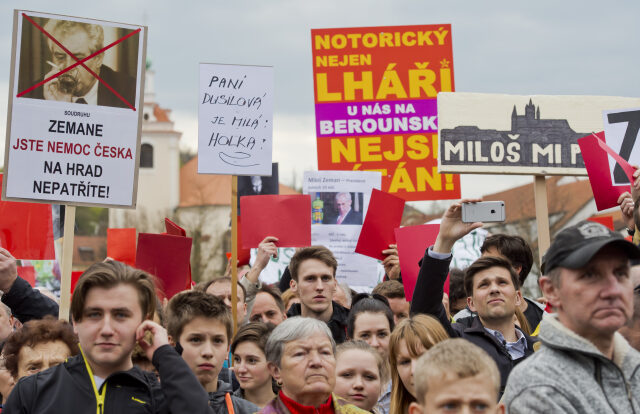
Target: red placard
{"type": "Point", "coordinates": [287, 217]}
{"type": "Point", "coordinates": [383, 217]}
{"type": "Point", "coordinates": [594, 153]}
{"type": "Point", "coordinates": [375, 102]}
{"type": "Point", "coordinates": [121, 245]}
{"type": "Point", "coordinates": [26, 229]}
{"type": "Point", "coordinates": [412, 242]}
{"type": "Point", "coordinates": [167, 257]}
{"type": "Point", "coordinates": [28, 273]}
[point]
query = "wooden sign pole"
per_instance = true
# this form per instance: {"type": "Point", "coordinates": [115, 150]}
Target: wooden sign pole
{"type": "Point", "coordinates": [542, 214]}
{"type": "Point", "coordinates": [67, 262]}
{"type": "Point", "coordinates": [234, 251]}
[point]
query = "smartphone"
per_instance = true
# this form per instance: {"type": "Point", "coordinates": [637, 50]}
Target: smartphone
{"type": "Point", "coordinates": [486, 211]}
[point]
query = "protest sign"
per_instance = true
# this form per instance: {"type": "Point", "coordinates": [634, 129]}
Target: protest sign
{"type": "Point", "coordinates": [383, 216]}
{"type": "Point", "coordinates": [412, 243]}
{"type": "Point", "coordinates": [513, 134]}
{"type": "Point", "coordinates": [167, 257]}
{"type": "Point", "coordinates": [621, 128]}
{"type": "Point", "coordinates": [288, 220]}
{"type": "Point", "coordinates": [26, 230]}
{"type": "Point", "coordinates": [74, 118]}
{"type": "Point", "coordinates": [258, 185]}
{"type": "Point", "coordinates": [235, 113]}
{"type": "Point", "coordinates": [595, 153]}
{"type": "Point", "coordinates": [375, 95]}
{"type": "Point", "coordinates": [339, 201]}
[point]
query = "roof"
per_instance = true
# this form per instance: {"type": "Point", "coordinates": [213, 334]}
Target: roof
{"type": "Point", "coordinates": [161, 114]}
{"type": "Point", "coordinates": [565, 200]}
{"type": "Point", "coordinates": [208, 189]}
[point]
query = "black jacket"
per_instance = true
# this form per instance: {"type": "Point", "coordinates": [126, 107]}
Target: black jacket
{"type": "Point", "coordinates": [67, 388]}
{"type": "Point", "coordinates": [337, 324]}
{"type": "Point", "coordinates": [27, 303]}
{"type": "Point", "coordinates": [240, 405]}
{"type": "Point", "coordinates": [427, 298]}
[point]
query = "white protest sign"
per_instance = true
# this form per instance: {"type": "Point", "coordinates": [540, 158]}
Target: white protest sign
{"type": "Point", "coordinates": [74, 120]}
{"type": "Point", "coordinates": [621, 128]}
{"type": "Point", "coordinates": [339, 202]}
{"type": "Point", "coordinates": [235, 119]}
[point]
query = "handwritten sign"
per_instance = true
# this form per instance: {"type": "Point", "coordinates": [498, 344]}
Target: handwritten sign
{"type": "Point", "coordinates": [75, 113]}
{"type": "Point", "coordinates": [235, 119]}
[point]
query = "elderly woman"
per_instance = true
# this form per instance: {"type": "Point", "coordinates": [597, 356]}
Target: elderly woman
{"type": "Point", "coordinates": [301, 358]}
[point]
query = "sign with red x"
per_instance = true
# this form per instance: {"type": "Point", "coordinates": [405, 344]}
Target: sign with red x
{"type": "Point", "coordinates": [75, 112]}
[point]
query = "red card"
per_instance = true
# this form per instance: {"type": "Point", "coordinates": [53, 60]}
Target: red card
{"type": "Point", "coordinates": [383, 216]}
{"type": "Point", "coordinates": [75, 276]}
{"type": "Point", "coordinates": [606, 221]}
{"type": "Point", "coordinates": [167, 257]}
{"type": "Point", "coordinates": [596, 161]}
{"type": "Point", "coordinates": [412, 242]}
{"type": "Point", "coordinates": [28, 273]}
{"type": "Point", "coordinates": [287, 217]}
{"type": "Point", "coordinates": [173, 228]}
{"type": "Point", "coordinates": [26, 229]}
{"type": "Point", "coordinates": [121, 245]}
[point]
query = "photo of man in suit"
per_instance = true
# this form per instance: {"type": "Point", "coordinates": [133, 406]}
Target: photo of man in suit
{"type": "Point", "coordinates": [78, 85]}
{"type": "Point", "coordinates": [345, 214]}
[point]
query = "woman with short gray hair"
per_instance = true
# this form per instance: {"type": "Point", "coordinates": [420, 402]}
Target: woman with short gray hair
{"type": "Point", "coordinates": [301, 358]}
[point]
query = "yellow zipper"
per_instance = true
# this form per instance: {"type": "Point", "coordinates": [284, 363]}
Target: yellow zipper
{"type": "Point", "coordinates": [100, 396]}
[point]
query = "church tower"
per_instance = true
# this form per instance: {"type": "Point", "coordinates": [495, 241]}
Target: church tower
{"type": "Point", "coordinates": [159, 172]}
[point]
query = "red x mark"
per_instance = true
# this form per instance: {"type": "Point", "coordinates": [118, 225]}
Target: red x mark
{"type": "Point", "coordinates": [78, 62]}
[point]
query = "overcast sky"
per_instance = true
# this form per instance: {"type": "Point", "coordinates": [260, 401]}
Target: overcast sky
{"type": "Point", "coordinates": [543, 47]}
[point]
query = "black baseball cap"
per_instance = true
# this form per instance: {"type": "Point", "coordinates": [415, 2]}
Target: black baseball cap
{"type": "Point", "coordinates": [574, 246]}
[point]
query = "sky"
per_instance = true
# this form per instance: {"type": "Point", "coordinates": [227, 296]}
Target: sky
{"type": "Point", "coordinates": [543, 47]}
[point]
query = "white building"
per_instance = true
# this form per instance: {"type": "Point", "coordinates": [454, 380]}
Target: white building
{"type": "Point", "coordinates": [159, 173]}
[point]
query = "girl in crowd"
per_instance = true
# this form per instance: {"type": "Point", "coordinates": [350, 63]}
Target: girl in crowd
{"type": "Point", "coordinates": [250, 363]}
{"type": "Point", "coordinates": [371, 320]}
{"type": "Point", "coordinates": [360, 374]}
{"type": "Point", "coordinates": [411, 338]}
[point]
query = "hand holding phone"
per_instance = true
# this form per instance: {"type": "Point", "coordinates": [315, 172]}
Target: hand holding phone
{"type": "Point", "coordinates": [484, 211]}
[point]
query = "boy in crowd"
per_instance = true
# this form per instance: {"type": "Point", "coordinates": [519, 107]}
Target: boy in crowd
{"type": "Point", "coordinates": [394, 292]}
{"type": "Point", "coordinates": [200, 326]}
{"type": "Point", "coordinates": [493, 293]}
{"type": "Point", "coordinates": [456, 376]}
{"type": "Point", "coordinates": [313, 278]}
{"type": "Point", "coordinates": [111, 308]}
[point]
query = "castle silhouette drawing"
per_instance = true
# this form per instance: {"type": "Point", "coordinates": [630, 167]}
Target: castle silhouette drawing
{"type": "Point", "coordinates": [525, 129]}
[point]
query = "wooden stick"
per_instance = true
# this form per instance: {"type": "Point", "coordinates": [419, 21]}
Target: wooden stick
{"type": "Point", "coordinates": [234, 251]}
{"type": "Point", "coordinates": [67, 262]}
{"type": "Point", "coordinates": [542, 214]}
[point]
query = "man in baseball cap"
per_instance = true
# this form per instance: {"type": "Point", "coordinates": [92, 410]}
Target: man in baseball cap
{"type": "Point", "coordinates": [583, 365]}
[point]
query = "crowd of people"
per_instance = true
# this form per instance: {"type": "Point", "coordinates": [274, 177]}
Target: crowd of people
{"type": "Point", "coordinates": [311, 345]}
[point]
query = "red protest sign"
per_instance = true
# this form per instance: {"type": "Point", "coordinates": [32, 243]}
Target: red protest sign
{"type": "Point", "coordinates": [28, 273]}
{"type": "Point", "coordinates": [412, 243]}
{"type": "Point", "coordinates": [175, 230]}
{"type": "Point", "coordinates": [383, 217]}
{"type": "Point", "coordinates": [75, 276]}
{"type": "Point", "coordinates": [26, 229]}
{"type": "Point", "coordinates": [594, 153]}
{"type": "Point", "coordinates": [287, 217]}
{"type": "Point", "coordinates": [78, 61]}
{"type": "Point", "coordinates": [121, 245]}
{"type": "Point", "coordinates": [167, 257]}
